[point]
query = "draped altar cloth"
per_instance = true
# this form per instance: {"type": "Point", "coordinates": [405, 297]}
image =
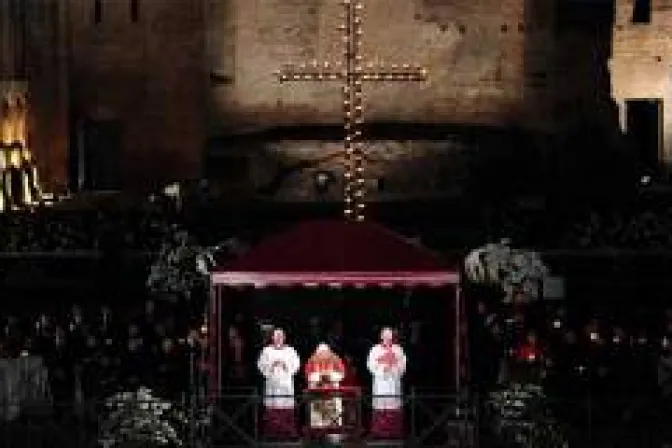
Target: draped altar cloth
{"type": "Point", "coordinates": [338, 408]}
{"type": "Point", "coordinates": [23, 382]}
{"type": "Point", "coordinates": [326, 408]}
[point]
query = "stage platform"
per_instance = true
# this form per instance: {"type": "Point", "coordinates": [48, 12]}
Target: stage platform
{"type": "Point", "coordinates": [457, 443]}
{"type": "Point", "coordinates": [307, 444]}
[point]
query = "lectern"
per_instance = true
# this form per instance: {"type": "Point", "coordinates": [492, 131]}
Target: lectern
{"type": "Point", "coordinates": [334, 413]}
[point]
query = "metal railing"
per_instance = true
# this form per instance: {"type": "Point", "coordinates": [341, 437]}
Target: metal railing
{"type": "Point", "coordinates": [235, 419]}
{"type": "Point", "coordinates": [430, 419]}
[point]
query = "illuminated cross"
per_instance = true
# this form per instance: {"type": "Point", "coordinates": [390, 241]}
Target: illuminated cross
{"type": "Point", "coordinates": [352, 75]}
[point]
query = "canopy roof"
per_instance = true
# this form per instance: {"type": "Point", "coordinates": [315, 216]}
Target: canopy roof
{"type": "Point", "coordinates": [336, 253]}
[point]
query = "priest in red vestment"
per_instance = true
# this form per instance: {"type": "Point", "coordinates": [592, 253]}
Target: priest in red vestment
{"type": "Point", "coordinates": [325, 370]}
{"type": "Point", "coordinates": [387, 364]}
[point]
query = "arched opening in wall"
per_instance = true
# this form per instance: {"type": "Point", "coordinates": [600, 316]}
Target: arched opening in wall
{"type": "Point", "coordinates": [644, 131]}
{"type": "Point", "coordinates": [641, 11]}
{"type": "Point", "coordinates": [97, 12]}
{"type": "Point", "coordinates": [135, 11]}
{"type": "Point", "coordinates": [98, 153]}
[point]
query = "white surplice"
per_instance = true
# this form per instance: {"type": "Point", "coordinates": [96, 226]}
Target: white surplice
{"type": "Point", "coordinates": [279, 380]}
{"type": "Point", "coordinates": [387, 393]}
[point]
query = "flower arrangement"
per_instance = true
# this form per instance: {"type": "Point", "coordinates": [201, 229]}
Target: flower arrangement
{"type": "Point", "coordinates": [138, 419]}
{"type": "Point", "coordinates": [180, 268]}
{"type": "Point", "coordinates": [516, 400]}
{"type": "Point", "coordinates": [519, 415]}
{"type": "Point", "coordinates": [518, 272]}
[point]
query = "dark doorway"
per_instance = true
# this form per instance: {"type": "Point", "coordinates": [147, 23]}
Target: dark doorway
{"type": "Point", "coordinates": [644, 119]}
{"type": "Point", "coordinates": [99, 155]}
{"type": "Point", "coordinates": [641, 12]}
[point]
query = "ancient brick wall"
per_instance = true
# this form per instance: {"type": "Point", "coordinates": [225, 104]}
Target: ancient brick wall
{"type": "Point", "coordinates": [640, 64]}
{"type": "Point", "coordinates": [394, 169]}
{"type": "Point", "coordinates": [489, 63]}
{"type": "Point", "coordinates": [486, 60]}
{"type": "Point", "coordinates": [32, 44]}
{"type": "Point", "coordinates": [458, 161]}
{"type": "Point", "coordinates": [149, 74]}
{"type": "Point", "coordinates": [190, 69]}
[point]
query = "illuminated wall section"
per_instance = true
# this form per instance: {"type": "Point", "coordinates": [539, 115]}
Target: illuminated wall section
{"type": "Point", "coordinates": [14, 136]}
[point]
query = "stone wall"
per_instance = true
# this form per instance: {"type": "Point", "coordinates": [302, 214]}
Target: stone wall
{"type": "Point", "coordinates": [189, 70]}
{"type": "Point", "coordinates": [33, 39]}
{"type": "Point", "coordinates": [284, 168]}
{"type": "Point", "coordinates": [148, 74]}
{"type": "Point", "coordinates": [489, 64]}
{"type": "Point", "coordinates": [487, 61]}
{"type": "Point", "coordinates": [395, 169]}
{"type": "Point", "coordinates": [640, 65]}
{"type": "Point", "coordinates": [49, 100]}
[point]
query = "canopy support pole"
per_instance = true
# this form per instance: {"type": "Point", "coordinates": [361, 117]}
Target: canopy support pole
{"type": "Point", "coordinates": [458, 338]}
{"type": "Point", "coordinates": [215, 340]}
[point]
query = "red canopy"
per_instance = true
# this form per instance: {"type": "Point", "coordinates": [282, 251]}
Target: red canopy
{"type": "Point", "coordinates": [336, 253]}
{"type": "Point", "coordinates": [331, 253]}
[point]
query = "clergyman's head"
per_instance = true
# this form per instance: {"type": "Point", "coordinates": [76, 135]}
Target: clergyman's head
{"type": "Point", "coordinates": [387, 336]}
{"type": "Point", "coordinates": [323, 350]}
{"type": "Point", "coordinates": [278, 337]}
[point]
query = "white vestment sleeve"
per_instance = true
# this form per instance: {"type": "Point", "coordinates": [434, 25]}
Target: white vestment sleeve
{"type": "Point", "coordinates": [314, 377]}
{"type": "Point", "coordinates": [376, 369]}
{"type": "Point", "coordinates": [336, 377]}
{"type": "Point", "coordinates": [264, 364]}
{"type": "Point", "coordinates": [401, 362]}
{"type": "Point", "coordinates": [294, 362]}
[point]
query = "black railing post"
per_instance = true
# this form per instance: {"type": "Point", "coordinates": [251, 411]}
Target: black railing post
{"type": "Point", "coordinates": [412, 403]}
{"type": "Point", "coordinates": [360, 414]}
{"type": "Point", "coordinates": [478, 410]}
{"type": "Point", "coordinates": [257, 405]}
{"type": "Point", "coordinates": [590, 417]}
{"type": "Point", "coordinates": [192, 395]}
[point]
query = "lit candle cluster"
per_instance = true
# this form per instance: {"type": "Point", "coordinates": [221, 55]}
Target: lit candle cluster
{"type": "Point", "coordinates": [352, 73]}
{"type": "Point", "coordinates": [353, 114]}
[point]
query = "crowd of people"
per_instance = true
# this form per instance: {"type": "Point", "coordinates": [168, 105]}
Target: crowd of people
{"type": "Point", "coordinates": [93, 353]}
{"type": "Point", "coordinates": [63, 231]}
{"type": "Point", "coordinates": [595, 369]}
{"type": "Point", "coordinates": [645, 228]}
{"type": "Point", "coordinates": [623, 368]}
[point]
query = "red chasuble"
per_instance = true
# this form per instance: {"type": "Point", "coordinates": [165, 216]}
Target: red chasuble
{"type": "Point", "coordinates": [321, 370]}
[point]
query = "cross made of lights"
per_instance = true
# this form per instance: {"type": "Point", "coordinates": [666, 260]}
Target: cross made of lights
{"type": "Point", "coordinates": [352, 74]}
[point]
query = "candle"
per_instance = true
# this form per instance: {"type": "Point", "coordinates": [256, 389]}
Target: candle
{"type": "Point", "coordinates": [105, 318]}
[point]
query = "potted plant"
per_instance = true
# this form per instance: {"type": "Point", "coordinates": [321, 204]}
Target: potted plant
{"type": "Point", "coordinates": [180, 268]}
{"type": "Point", "coordinates": [518, 273]}
{"type": "Point", "coordinates": [140, 420]}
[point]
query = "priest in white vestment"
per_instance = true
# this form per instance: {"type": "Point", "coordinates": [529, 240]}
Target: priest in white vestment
{"type": "Point", "coordinates": [387, 364]}
{"type": "Point", "coordinates": [278, 364]}
{"type": "Point", "coordinates": [325, 370]}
